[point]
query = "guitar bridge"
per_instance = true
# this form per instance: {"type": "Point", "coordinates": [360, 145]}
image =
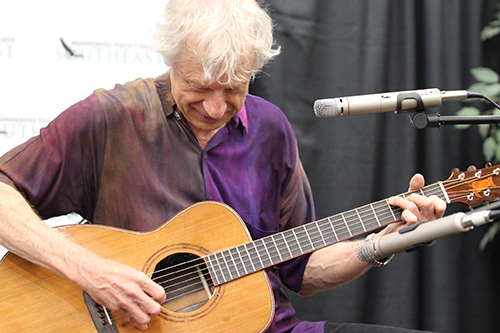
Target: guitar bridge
{"type": "Point", "coordinates": [102, 317]}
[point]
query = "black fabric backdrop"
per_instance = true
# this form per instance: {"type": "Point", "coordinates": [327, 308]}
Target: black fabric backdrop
{"type": "Point", "coordinates": [349, 47]}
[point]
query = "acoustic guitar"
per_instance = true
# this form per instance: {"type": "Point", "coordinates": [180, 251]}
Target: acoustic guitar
{"type": "Point", "coordinates": [213, 273]}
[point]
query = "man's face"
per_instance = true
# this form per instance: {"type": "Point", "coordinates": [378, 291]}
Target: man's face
{"type": "Point", "coordinates": [207, 106]}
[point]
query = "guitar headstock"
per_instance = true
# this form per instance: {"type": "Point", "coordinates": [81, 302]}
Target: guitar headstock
{"type": "Point", "coordinates": [472, 188]}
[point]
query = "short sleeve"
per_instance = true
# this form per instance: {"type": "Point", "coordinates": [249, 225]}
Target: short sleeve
{"type": "Point", "coordinates": [58, 170]}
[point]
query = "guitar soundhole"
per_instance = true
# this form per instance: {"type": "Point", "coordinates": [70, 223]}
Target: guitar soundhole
{"type": "Point", "coordinates": [186, 281]}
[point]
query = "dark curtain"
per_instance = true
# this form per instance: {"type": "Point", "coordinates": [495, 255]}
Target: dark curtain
{"type": "Point", "coordinates": [334, 48]}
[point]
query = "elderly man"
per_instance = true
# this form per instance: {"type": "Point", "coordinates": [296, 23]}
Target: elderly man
{"type": "Point", "coordinates": [133, 156]}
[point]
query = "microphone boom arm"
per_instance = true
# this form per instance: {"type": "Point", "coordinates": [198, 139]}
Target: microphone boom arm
{"type": "Point", "coordinates": [420, 120]}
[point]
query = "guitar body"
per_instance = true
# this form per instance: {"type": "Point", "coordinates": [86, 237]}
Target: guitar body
{"type": "Point", "coordinates": [34, 299]}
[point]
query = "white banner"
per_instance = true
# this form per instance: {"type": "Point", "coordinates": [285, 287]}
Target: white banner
{"type": "Point", "coordinates": [54, 53]}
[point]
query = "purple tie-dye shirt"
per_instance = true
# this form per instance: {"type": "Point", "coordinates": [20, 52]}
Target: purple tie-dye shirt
{"type": "Point", "coordinates": [126, 157]}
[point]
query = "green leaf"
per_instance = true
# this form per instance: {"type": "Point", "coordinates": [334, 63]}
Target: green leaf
{"type": "Point", "coordinates": [461, 127]}
{"type": "Point", "coordinates": [489, 147]}
{"type": "Point", "coordinates": [484, 74]}
{"type": "Point", "coordinates": [497, 154]}
{"type": "Point", "coordinates": [484, 130]}
{"type": "Point", "coordinates": [490, 30]}
{"type": "Point", "coordinates": [497, 135]}
{"type": "Point", "coordinates": [490, 90]}
{"type": "Point", "coordinates": [493, 90]}
{"type": "Point", "coordinates": [489, 235]}
{"type": "Point", "coordinates": [478, 87]}
{"type": "Point", "coordinates": [466, 111]}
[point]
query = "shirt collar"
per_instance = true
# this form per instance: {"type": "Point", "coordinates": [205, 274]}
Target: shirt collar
{"type": "Point", "coordinates": [242, 117]}
{"type": "Point", "coordinates": [162, 83]}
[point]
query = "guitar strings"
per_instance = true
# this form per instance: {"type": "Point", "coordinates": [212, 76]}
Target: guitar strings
{"type": "Point", "coordinates": [312, 236]}
{"type": "Point", "coordinates": [191, 290]}
{"type": "Point", "coordinates": [301, 237]}
{"type": "Point", "coordinates": [234, 266]}
{"type": "Point", "coordinates": [319, 221]}
{"type": "Point", "coordinates": [280, 242]}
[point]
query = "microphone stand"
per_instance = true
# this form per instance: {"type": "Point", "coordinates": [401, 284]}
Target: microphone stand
{"type": "Point", "coordinates": [420, 120]}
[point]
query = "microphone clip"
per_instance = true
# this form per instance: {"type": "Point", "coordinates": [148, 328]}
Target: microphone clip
{"type": "Point", "coordinates": [417, 116]}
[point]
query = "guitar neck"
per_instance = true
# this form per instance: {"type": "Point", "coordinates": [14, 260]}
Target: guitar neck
{"type": "Point", "coordinates": [265, 252]}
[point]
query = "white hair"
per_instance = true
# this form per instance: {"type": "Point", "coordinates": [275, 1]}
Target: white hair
{"type": "Point", "coordinates": [221, 34]}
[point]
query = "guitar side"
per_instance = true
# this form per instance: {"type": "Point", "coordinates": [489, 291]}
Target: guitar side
{"type": "Point", "coordinates": [37, 300]}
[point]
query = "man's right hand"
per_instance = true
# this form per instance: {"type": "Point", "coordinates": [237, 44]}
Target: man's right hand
{"type": "Point", "coordinates": [121, 289]}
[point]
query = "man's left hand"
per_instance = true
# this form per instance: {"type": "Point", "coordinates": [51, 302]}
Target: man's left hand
{"type": "Point", "coordinates": [416, 208]}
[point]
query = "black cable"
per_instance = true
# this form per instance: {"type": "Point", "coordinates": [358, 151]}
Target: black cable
{"type": "Point", "coordinates": [478, 95]}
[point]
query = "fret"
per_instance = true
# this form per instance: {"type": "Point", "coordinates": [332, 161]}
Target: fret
{"type": "Point", "coordinates": [427, 191]}
{"type": "Point", "coordinates": [316, 235]}
{"type": "Point", "coordinates": [346, 225]}
{"type": "Point", "coordinates": [292, 243]}
{"type": "Point", "coordinates": [360, 220]}
{"type": "Point", "coordinates": [327, 233]}
{"type": "Point", "coordinates": [286, 243]}
{"type": "Point", "coordinates": [277, 249]}
{"type": "Point", "coordinates": [375, 214]}
{"type": "Point", "coordinates": [390, 208]}
{"type": "Point", "coordinates": [308, 242]}
{"type": "Point", "coordinates": [242, 261]}
{"type": "Point", "coordinates": [444, 193]}
{"type": "Point", "coordinates": [298, 243]}
{"type": "Point", "coordinates": [321, 234]}
{"type": "Point", "coordinates": [214, 272]}
{"type": "Point", "coordinates": [270, 261]}
{"type": "Point", "coordinates": [228, 267]}
{"type": "Point", "coordinates": [333, 229]}
{"type": "Point", "coordinates": [436, 189]}
{"type": "Point", "coordinates": [309, 239]}
{"type": "Point", "coordinates": [221, 267]}
{"type": "Point", "coordinates": [235, 262]}
{"type": "Point", "coordinates": [258, 255]}
{"type": "Point", "coordinates": [250, 260]}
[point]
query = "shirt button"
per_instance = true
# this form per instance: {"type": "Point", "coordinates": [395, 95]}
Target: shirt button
{"type": "Point", "coordinates": [177, 115]}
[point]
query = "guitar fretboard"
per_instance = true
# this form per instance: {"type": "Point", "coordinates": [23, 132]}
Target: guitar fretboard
{"type": "Point", "coordinates": [265, 252]}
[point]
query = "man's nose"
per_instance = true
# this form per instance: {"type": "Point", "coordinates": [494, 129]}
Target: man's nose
{"type": "Point", "coordinates": [215, 105]}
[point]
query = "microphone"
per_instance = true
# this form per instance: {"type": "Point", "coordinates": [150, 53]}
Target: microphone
{"type": "Point", "coordinates": [386, 102]}
{"type": "Point", "coordinates": [422, 233]}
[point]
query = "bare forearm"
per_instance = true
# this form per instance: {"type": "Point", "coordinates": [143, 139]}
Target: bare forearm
{"type": "Point", "coordinates": [118, 287]}
{"type": "Point", "coordinates": [25, 234]}
{"type": "Point", "coordinates": [331, 267]}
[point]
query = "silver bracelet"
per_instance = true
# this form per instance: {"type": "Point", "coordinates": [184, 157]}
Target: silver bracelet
{"type": "Point", "coordinates": [366, 252]}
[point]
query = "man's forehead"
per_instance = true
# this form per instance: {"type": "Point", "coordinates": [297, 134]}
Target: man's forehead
{"type": "Point", "coordinates": [193, 69]}
{"type": "Point", "coordinates": [194, 75]}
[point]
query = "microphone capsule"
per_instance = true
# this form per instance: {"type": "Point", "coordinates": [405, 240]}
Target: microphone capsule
{"type": "Point", "coordinates": [325, 108]}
